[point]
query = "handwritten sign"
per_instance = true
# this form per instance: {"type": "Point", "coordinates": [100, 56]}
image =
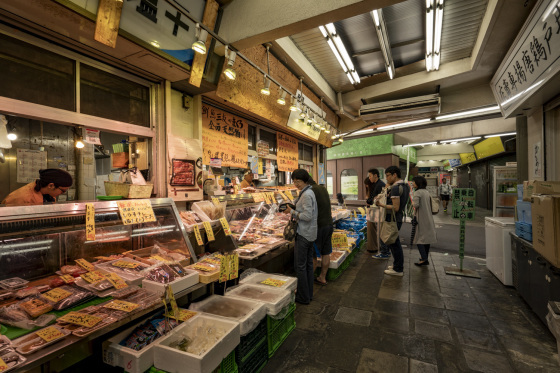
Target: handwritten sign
{"type": "Point", "coordinates": [172, 300]}
{"type": "Point", "coordinates": [258, 197]}
{"type": "Point", "coordinates": [83, 319]}
{"type": "Point", "coordinates": [262, 148]}
{"type": "Point", "coordinates": [273, 282]}
{"type": "Point", "coordinates": [90, 222]}
{"type": "Point", "coordinates": [116, 280]}
{"type": "Point", "coordinates": [224, 268]}
{"type": "Point", "coordinates": [234, 266]}
{"type": "Point", "coordinates": [209, 231]}
{"type": "Point", "coordinates": [260, 167]}
{"type": "Point", "coordinates": [198, 235]}
{"type": "Point", "coordinates": [215, 162]}
{"type": "Point", "coordinates": [136, 212]}
{"type": "Point", "coordinates": [122, 305]}
{"type": "Point", "coordinates": [284, 198]}
{"type": "Point", "coordinates": [93, 277]}
{"type": "Point", "coordinates": [184, 314]}
{"type": "Point", "coordinates": [289, 195]}
{"type": "Point", "coordinates": [50, 334]}
{"type": "Point", "coordinates": [225, 225]}
{"type": "Point", "coordinates": [287, 156]}
{"type": "Point", "coordinates": [56, 295]}
{"type": "Point", "coordinates": [85, 264]}
{"type": "Point", "coordinates": [273, 197]}
{"type": "Point", "coordinates": [68, 279]}
{"type": "Point", "coordinates": [224, 136]}
{"type": "Point", "coordinates": [339, 241]}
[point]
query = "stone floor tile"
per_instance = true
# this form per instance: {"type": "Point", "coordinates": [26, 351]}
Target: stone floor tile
{"type": "Point", "coordinates": [482, 340]}
{"type": "Point", "coordinates": [390, 322]}
{"type": "Point", "coordinates": [362, 302]}
{"type": "Point", "coordinates": [428, 313]}
{"type": "Point", "coordinates": [378, 361]}
{"type": "Point", "coordinates": [463, 305]}
{"type": "Point", "coordinates": [426, 299]}
{"type": "Point", "coordinates": [434, 331]}
{"type": "Point", "coordinates": [392, 307]}
{"type": "Point", "coordinates": [310, 322]}
{"type": "Point", "coordinates": [536, 348]}
{"type": "Point", "coordinates": [420, 348]}
{"type": "Point", "coordinates": [469, 321]}
{"type": "Point", "coordinates": [463, 293]}
{"type": "Point", "coordinates": [481, 361]}
{"type": "Point", "coordinates": [353, 316]}
{"type": "Point", "coordinates": [528, 363]}
{"type": "Point", "coordinates": [450, 358]}
{"type": "Point", "coordinates": [396, 295]}
{"type": "Point", "coordinates": [421, 367]}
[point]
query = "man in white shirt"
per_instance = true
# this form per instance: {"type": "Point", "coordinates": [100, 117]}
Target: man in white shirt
{"type": "Point", "coordinates": [445, 192]}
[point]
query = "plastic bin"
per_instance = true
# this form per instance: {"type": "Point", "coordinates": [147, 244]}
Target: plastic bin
{"type": "Point", "coordinates": [279, 334]}
{"type": "Point", "coordinates": [257, 359]}
{"type": "Point", "coordinates": [178, 285]}
{"type": "Point", "coordinates": [250, 342]}
{"type": "Point", "coordinates": [274, 299]}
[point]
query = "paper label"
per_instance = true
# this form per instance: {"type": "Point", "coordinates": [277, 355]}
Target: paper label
{"type": "Point", "coordinates": [172, 300]}
{"type": "Point", "coordinates": [273, 198]}
{"type": "Point", "coordinates": [339, 241]}
{"type": "Point", "coordinates": [93, 277]}
{"type": "Point", "coordinates": [216, 202]}
{"type": "Point", "coordinates": [209, 231]}
{"type": "Point", "coordinates": [50, 334]}
{"type": "Point", "coordinates": [258, 197]}
{"type": "Point", "coordinates": [362, 211]}
{"type": "Point", "coordinates": [224, 267]}
{"type": "Point", "coordinates": [56, 295]}
{"type": "Point", "coordinates": [284, 198]}
{"type": "Point", "coordinates": [236, 189]}
{"type": "Point", "coordinates": [85, 264]}
{"type": "Point", "coordinates": [124, 264]}
{"type": "Point", "coordinates": [82, 319]}
{"type": "Point", "coordinates": [234, 266]}
{"type": "Point", "coordinates": [267, 198]}
{"type": "Point", "coordinates": [184, 314]}
{"type": "Point", "coordinates": [354, 213]}
{"type": "Point", "coordinates": [203, 267]}
{"type": "Point", "coordinates": [116, 280]}
{"type": "Point", "coordinates": [159, 258]}
{"type": "Point", "coordinates": [90, 222]}
{"type": "Point", "coordinates": [273, 282]}
{"type": "Point", "coordinates": [122, 305]}
{"type": "Point", "coordinates": [197, 235]}
{"type": "Point", "coordinates": [225, 225]}
{"type": "Point", "coordinates": [3, 366]}
{"type": "Point", "coordinates": [68, 279]}
{"type": "Point", "coordinates": [136, 212]}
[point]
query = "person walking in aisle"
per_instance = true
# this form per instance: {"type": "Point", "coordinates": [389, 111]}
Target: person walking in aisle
{"type": "Point", "coordinates": [396, 202]}
{"type": "Point", "coordinates": [373, 241]}
{"type": "Point", "coordinates": [305, 213]}
{"type": "Point", "coordinates": [445, 191]}
{"type": "Point", "coordinates": [323, 244]}
{"type": "Point", "coordinates": [426, 229]}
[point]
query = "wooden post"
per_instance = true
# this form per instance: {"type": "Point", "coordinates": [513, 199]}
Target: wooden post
{"type": "Point", "coordinates": [209, 20]}
{"type": "Point", "coordinates": [108, 20]}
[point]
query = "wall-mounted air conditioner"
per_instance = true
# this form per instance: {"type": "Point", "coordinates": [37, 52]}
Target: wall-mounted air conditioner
{"type": "Point", "coordinates": [408, 108]}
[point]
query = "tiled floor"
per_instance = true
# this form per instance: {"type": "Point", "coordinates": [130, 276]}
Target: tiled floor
{"type": "Point", "coordinates": [426, 321]}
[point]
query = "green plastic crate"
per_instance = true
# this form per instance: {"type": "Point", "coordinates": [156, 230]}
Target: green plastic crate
{"type": "Point", "coordinates": [228, 365]}
{"type": "Point", "coordinates": [249, 343]}
{"type": "Point", "coordinates": [272, 324]}
{"type": "Point", "coordinates": [278, 336]}
{"type": "Point", "coordinates": [257, 359]}
{"type": "Point", "coordinates": [334, 273]}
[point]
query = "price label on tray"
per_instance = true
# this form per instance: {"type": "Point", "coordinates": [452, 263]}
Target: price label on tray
{"type": "Point", "coordinates": [224, 268]}
{"type": "Point", "coordinates": [339, 241]}
{"type": "Point", "coordinates": [225, 225]}
{"type": "Point", "coordinates": [209, 231]}
{"type": "Point", "coordinates": [159, 258]}
{"type": "Point", "coordinates": [284, 198]}
{"type": "Point", "coordinates": [68, 279]}
{"type": "Point", "coordinates": [90, 222]}
{"type": "Point", "coordinates": [56, 295]}
{"type": "Point", "coordinates": [116, 280]}
{"type": "Point", "coordinates": [124, 264]}
{"type": "Point", "coordinates": [50, 334]}
{"type": "Point", "coordinates": [204, 267]}
{"type": "Point", "coordinates": [272, 197]}
{"type": "Point", "coordinates": [184, 315]}
{"type": "Point", "coordinates": [85, 264]}
{"type": "Point", "coordinates": [234, 266]}
{"type": "Point", "coordinates": [197, 235]}
{"type": "Point", "coordinates": [93, 277]}
{"type": "Point", "coordinates": [122, 305]}
{"type": "Point", "coordinates": [136, 212]}
{"type": "Point", "coordinates": [82, 319]}
{"type": "Point", "coordinates": [267, 198]}
{"type": "Point", "coordinates": [258, 197]}
{"type": "Point", "coordinates": [362, 211]}
{"type": "Point", "coordinates": [3, 366]}
{"type": "Point", "coordinates": [273, 282]}
{"type": "Point", "coordinates": [216, 202]}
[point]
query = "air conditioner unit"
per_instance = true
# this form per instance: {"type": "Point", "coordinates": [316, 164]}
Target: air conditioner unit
{"type": "Point", "coordinates": [408, 108]}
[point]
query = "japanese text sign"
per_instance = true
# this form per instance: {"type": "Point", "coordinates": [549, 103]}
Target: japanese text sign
{"type": "Point", "coordinates": [287, 154]}
{"type": "Point", "coordinates": [122, 305]}
{"type": "Point", "coordinates": [136, 212]}
{"type": "Point", "coordinates": [209, 231]}
{"type": "Point", "coordinates": [90, 222]}
{"type": "Point", "coordinates": [197, 235]}
{"type": "Point", "coordinates": [339, 241]}
{"type": "Point", "coordinates": [83, 319]}
{"type": "Point", "coordinates": [273, 282]}
{"type": "Point", "coordinates": [56, 295]}
{"type": "Point", "coordinates": [225, 225]}
{"type": "Point", "coordinates": [85, 264]}
{"type": "Point", "coordinates": [50, 334]}
{"type": "Point", "coordinates": [464, 203]}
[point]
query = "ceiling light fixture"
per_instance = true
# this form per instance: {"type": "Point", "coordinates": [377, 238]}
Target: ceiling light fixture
{"type": "Point", "coordinates": [339, 50]}
{"type": "Point", "coordinates": [469, 112]}
{"type": "Point", "coordinates": [460, 140]}
{"type": "Point", "coordinates": [384, 43]}
{"type": "Point", "coordinates": [303, 113]}
{"type": "Point", "coordinates": [266, 89]}
{"type": "Point", "coordinates": [293, 106]}
{"type": "Point", "coordinates": [229, 72]}
{"type": "Point", "coordinates": [341, 139]}
{"type": "Point", "coordinates": [420, 144]}
{"type": "Point", "coordinates": [501, 134]}
{"type": "Point", "coordinates": [405, 124]}
{"type": "Point", "coordinates": [328, 129]}
{"type": "Point", "coordinates": [199, 46]}
{"type": "Point", "coordinates": [12, 135]}
{"type": "Point", "coordinates": [434, 25]}
{"type": "Point", "coordinates": [282, 99]}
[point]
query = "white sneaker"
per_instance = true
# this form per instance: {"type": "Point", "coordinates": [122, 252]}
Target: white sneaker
{"type": "Point", "coordinates": [393, 272]}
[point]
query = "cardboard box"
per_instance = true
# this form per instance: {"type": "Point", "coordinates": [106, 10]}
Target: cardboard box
{"type": "Point", "coordinates": [546, 227]}
{"type": "Point", "coordinates": [539, 187]}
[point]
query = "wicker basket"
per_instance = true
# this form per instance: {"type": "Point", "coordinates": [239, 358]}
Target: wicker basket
{"type": "Point", "coordinates": [128, 190]}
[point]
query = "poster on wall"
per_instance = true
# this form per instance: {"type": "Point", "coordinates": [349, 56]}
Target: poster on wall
{"type": "Point", "coordinates": [262, 148]}
{"type": "Point", "coordinates": [321, 173]}
{"type": "Point", "coordinates": [29, 162]}
{"type": "Point", "coordinates": [224, 136]}
{"type": "Point", "coordinates": [536, 157]}
{"type": "Point", "coordinates": [183, 172]}
{"type": "Point", "coordinates": [287, 155]}
{"type": "Point", "coordinates": [349, 186]}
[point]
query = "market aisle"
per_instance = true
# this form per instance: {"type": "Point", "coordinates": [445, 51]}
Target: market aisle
{"type": "Point", "coordinates": [426, 321]}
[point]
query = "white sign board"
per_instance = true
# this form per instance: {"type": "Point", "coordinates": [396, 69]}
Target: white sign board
{"type": "Point", "coordinates": [29, 162]}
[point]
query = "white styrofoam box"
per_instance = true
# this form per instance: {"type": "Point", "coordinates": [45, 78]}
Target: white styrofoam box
{"type": "Point", "coordinates": [335, 263]}
{"type": "Point", "coordinates": [131, 360]}
{"type": "Point", "coordinates": [250, 312]}
{"type": "Point", "coordinates": [277, 298]}
{"type": "Point", "coordinates": [257, 278]}
{"type": "Point", "coordinates": [178, 285]}
{"type": "Point", "coordinates": [173, 360]}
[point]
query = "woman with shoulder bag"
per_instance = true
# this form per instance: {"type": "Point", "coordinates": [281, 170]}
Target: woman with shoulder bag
{"type": "Point", "coordinates": [426, 229]}
{"type": "Point", "coordinates": [305, 213]}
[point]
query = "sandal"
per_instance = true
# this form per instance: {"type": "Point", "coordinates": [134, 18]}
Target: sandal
{"type": "Point", "coordinates": [320, 283]}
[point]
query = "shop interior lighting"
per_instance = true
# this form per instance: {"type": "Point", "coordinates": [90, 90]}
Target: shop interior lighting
{"type": "Point", "coordinates": [434, 24]}
{"type": "Point", "coordinates": [460, 140]}
{"type": "Point", "coordinates": [80, 143]}
{"type": "Point", "coordinates": [266, 89]}
{"type": "Point", "coordinates": [501, 134]}
{"type": "Point", "coordinates": [12, 135]}
{"type": "Point", "coordinates": [405, 124]}
{"type": "Point", "coordinates": [420, 144]}
{"type": "Point", "coordinates": [328, 129]}
{"type": "Point", "coordinates": [323, 126]}
{"type": "Point", "coordinates": [310, 118]}
{"type": "Point", "coordinates": [339, 50]}
{"type": "Point", "coordinates": [469, 112]}
{"type": "Point", "coordinates": [282, 99]}
{"type": "Point", "coordinates": [383, 36]}
{"type": "Point", "coordinates": [199, 46]}
{"type": "Point", "coordinates": [293, 106]}
{"type": "Point", "coordinates": [229, 72]}
{"type": "Point", "coordinates": [341, 139]}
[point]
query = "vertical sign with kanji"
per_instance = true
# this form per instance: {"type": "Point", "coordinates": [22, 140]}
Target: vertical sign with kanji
{"type": "Point", "coordinates": [464, 202]}
{"type": "Point", "coordinates": [287, 154]}
{"type": "Point", "coordinates": [90, 222]}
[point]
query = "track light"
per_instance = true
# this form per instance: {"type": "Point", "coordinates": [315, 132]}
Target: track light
{"type": "Point", "coordinates": [327, 129]}
{"type": "Point", "coordinates": [333, 136]}
{"type": "Point", "coordinates": [303, 113]}
{"type": "Point", "coordinates": [282, 99]}
{"type": "Point", "coordinates": [79, 143]}
{"type": "Point", "coordinates": [266, 89]}
{"type": "Point", "coordinates": [310, 118]}
{"type": "Point", "coordinates": [12, 135]}
{"type": "Point", "coordinates": [293, 106]}
{"type": "Point", "coordinates": [322, 126]}
{"type": "Point", "coordinates": [229, 72]}
{"type": "Point", "coordinates": [199, 46]}
{"type": "Point", "coordinates": [341, 139]}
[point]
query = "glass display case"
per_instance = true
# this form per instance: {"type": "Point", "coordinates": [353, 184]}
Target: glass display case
{"type": "Point", "coordinates": [36, 241]}
{"type": "Point", "coordinates": [505, 191]}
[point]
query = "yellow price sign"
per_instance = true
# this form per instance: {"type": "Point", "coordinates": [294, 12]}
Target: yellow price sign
{"type": "Point", "coordinates": [258, 197]}
{"type": "Point", "coordinates": [289, 195]}
{"type": "Point", "coordinates": [122, 305]}
{"type": "Point", "coordinates": [209, 231]}
{"type": "Point", "coordinates": [216, 202]}
{"type": "Point", "coordinates": [159, 258]}
{"type": "Point", "coordinates": [172, 300]}
{"type": "Point", "coordinates": [225, 225]}
{"type": "Point", "coordinates": [284, 198]}
{"type": "Point", "coordinates": [362, 211]}
{"type": "Point", "coordinates": [354, 213]}
{"type": "Point", "coordinates": [273, 197]}
{"type": "Point", "coordinates": [198, 235]}
{"type": "Point", "coordinates": [236, 189]}
{"type": "Point", "coordinates": [184, 314]}
{"type": "Point", "coordinates": [267, 198]}
{"type": "Point", "coordinates": [56, 295]}
{"type": "Point", "coordinates": [273, 282]}
{"type": "Point", "coordinates": [85, 264]}
{"type": "Point", "coordinates": [136, 212]}
{"type": "Point", "coordinates": [3, 366]}
{"type": "Point", "coordinates": [68, 279]}
{"type": "Point", "coordinates": [339, 241]}
{"type": "Point", "coordinates": [50, 334]}
{"type": "Point", "coordinates": [116, 280]}
{"type": "Point", "coordinates": [93, 277]}
{"type": "Point", "coordinates": [224, 268]}
{"type": "Point", "coordinates": [124, 264]}
{"type": "Point", "coordinates": [90, 222]}
{"type": "Point", "coordinates": [83, 319]}
{"type": "Point", "coordinates": [233, 266]}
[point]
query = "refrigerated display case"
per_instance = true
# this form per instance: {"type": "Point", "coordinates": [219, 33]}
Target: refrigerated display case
{"type": "Point", "coordinates": [505, 191]}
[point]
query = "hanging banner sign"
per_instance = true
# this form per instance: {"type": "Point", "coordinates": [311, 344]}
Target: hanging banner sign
{"type": "Point", "coordinates": [224, 136]}
{"type": "Point", "coordinates": [92, 137]}
{"type": "Point", "coordinates": [287, 154]}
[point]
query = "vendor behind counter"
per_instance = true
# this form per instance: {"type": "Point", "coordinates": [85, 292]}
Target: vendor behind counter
{"type": "Point", "coordinates": [52, 183]}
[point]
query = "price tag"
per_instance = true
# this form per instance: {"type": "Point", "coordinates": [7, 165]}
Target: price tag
{"type": "Point", "coordinates": [56, 295]}
{"type": "Point", "coordinates": [234, 266]}
{"type": "Point", "coordinates": [83, 319]}
{"type": "Point", "coordinates": [116, 280]}
{"type": "Point", "coordinates": [236, 189]}
{"type": "Point", "coordinates": [124, 264]}
{"type": "Point", "coordinates": [273, 282]}
{"type": "Point", "coordinates": [197, 235]}
{"type": "Point", "coordinates": [289, 195]}
{"type": "Point", "coordinates": [339, 241]}
{"type": "Point", "coordinates": [224, 268]}
{"type": "Point", "coordinates": [90, 222]}
{"type": "Point", "coordinates": [122, 305]}
{"type": "Point", "coordinates": [258, 197]}
{"type": "Point", "coordinates": [159, 258]}
{"type": "Point", "coordinates": [50, 334]}
{"type": "Point", "coordinates": [209, 231]}
{"type": "Point", "coordinates": [225, 225]}
{"type": "Point", "coordinates": [216, 202]}
{"type": "Point", "coordinates": [184, 314]}
{"type": "Point", "coordinates": [3, 366]}
{"type": "Point", "coordinates": [272, 197]}
{"type": "Point", "coordinates": [85, 264]}
{"type": "Point", "coordinates": [136, 212]}
{"type": "Point", "coordinates": [362, 211]}
{"type": "Point", "coordinates": [93, 277]}
{"type": "Point", "coordinates": [68, 279]}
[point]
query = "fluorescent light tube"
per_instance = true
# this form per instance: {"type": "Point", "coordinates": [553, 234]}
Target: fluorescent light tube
{"type": "Point", "coordinates": [350, 77]}
{"type": "Point", "coordinates": [420, 144]}
{"type": "Point", "coordinates": [501, 134]}
{"type": "Point", "coordinates": [437, 32]}
{"type": "Point", "coordinates": [335, 51]}
{"type": "Point", "coordinates": [355, 76]}
{"type": "Point", "coordinates": [331, 28]}
{"type": "Point", "coordinates": [469, 112]}
{"type": "Point", "coordinates": [390, 71]}
{"type": "Point", "coordinates": [323, 31]}
{"type": "Point", "coordinates": [342, 49]}
{"type": "Point", "coordinates": [459, 140]}
{"type": "Point", "coordinates": [405, 124]}
{"type": "Point", "coordinates": [375, 17]}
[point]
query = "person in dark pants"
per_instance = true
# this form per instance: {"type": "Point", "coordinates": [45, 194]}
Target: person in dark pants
{"type": "Point", "coordinates": [426, 229]}
{"type": "Point", "coordinates": [323, 245]}
{"type": "Point", "coordinates": [396, 201]}
{"type": "Point", "coordinates": [305, 213]}
{"type": "Point", "coordinates": [375, 189]}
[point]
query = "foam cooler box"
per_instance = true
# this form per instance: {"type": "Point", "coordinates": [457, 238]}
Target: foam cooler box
{"type": "Point", "coordinates": [274, 299]}
{"type": "Point", "coordinates": [257, 279]}
{"type": "Point", "coordinates": [178, 285]}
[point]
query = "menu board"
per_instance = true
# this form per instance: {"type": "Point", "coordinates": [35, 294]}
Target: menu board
{"type": "Point", "coordinates": [224, 136]}
{"type": "Point", "coordinates": [135, 212]}
{"type": "Point", "coordinates": [287, 155]}
{"type": "Point", "coordinates": [29, 162]}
